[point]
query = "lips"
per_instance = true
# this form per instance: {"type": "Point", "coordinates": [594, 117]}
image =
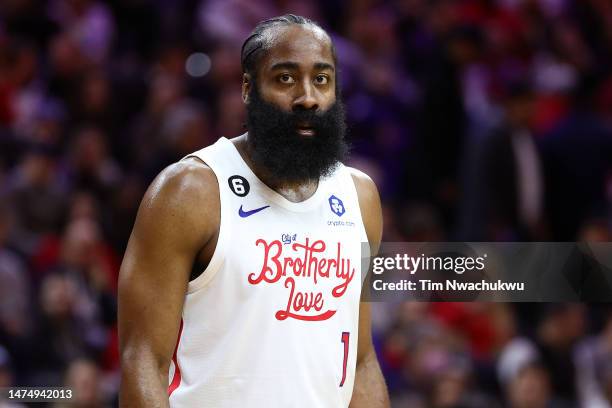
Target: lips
{"type": "Point", "coordinates": [305, 130]}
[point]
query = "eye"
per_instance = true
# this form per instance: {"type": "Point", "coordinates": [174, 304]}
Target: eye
{"type": "Point", "coordinates": [286, 79]}
{"type": "Point", "coordinates": [322, 79]}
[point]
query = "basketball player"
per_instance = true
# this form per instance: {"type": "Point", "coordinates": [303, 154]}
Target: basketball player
{"type": "Point", "coordinates": [241, 282]}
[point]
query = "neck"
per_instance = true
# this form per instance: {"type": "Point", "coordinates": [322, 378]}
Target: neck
{"type": "Point", "coordinates": [292, 191]}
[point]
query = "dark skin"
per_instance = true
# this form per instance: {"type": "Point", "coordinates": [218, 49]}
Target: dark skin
{"type": "Point", "coordinates": [178, 223]}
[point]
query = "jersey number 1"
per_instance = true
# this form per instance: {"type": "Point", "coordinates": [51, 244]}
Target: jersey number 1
{"type": "Point", "coordinates": [345, 341]}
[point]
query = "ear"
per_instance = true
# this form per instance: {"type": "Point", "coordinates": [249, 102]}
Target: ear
{"type": "Point", "coordinates": [246, 87]}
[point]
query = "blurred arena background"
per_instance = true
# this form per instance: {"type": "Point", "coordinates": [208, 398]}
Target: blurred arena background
{"type": "Point", "coordinates": [483, 120]}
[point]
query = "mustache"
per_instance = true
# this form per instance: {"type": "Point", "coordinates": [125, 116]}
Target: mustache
{"type": "Point", "coordinates": [319, 120]}
{"type": "Point", "coordinates": [314, 119]}
{"type": "Point", "coordinates": [299, 116]}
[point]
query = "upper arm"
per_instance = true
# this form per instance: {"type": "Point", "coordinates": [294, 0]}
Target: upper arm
{"type": "Point", "coordinates": [177, 216]}
{"type": "Point", "coordinates": [371, 213]}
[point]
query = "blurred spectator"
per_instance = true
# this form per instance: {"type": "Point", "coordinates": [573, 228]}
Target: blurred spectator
{"type": "Point", "coordinates": [594, 368]}
{"type": "Point", "coordinates": [83, 378]}
{"type": "Point", "coordinates": [61, 335]}
{"type": "Point", "coordinates": [517, 354]}
{"type": "Point", "coordinates": [92, 167]}
{"type": "Point", "coordinates": [510, 205]}
{"type": "Point", "coordinates": [452, 390]}
{"type": "Point", "coordinates": [37, 197]}
{"type": "Point", "coordinates": [578, 156]}
{"type": "Point", "coordinates": [95, 105]}
{"type": "Point", "coordinates": [91, 264]}
{"type": "Point", "coordinates": [557, 335]}
{"type": "Point", "coordinates": [67, 64]}
{"type": "Point", "coordinates": [530, 388]}
{"type": "Point", "coordinates": [443, 121]}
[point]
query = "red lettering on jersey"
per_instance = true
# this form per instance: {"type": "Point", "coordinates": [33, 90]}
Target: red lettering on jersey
{"type": "Point", "coordinates": [345, 273]}
{"type": "Point", "coordinates": [267, 273]}
{"type": "Point", "coordinates": [303, 301]}
{"type": "Point", "coordinates": [307, 264]}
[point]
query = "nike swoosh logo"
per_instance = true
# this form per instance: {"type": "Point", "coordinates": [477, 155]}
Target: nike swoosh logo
{"type": "Point", "coordinates": [245, 214]}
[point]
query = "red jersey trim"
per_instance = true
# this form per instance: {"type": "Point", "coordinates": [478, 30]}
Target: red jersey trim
{"type": "Point", "coordinates": [176, 379]}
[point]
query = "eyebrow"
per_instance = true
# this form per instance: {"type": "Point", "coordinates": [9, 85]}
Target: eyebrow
{"type": "Point", "coordinates": [322, 66]}
{"type": "Point", "coordinates": [289, 65]}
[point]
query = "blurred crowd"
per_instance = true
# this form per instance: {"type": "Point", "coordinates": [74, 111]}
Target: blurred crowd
{"type": "Point", "coordinates": [481, 120]}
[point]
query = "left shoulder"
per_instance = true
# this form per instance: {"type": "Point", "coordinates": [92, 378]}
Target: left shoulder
{"type": "Point", "coordinates": [369, 202]}
{"type": "Point", "coordinates": [365, 186]}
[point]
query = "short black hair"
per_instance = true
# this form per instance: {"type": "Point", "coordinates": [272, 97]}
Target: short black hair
{"type": "Point", "coordinates": [257, 43]}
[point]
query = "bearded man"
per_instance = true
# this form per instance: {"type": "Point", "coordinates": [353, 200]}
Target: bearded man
{"type": "Point", "coordinates": [241, 283]}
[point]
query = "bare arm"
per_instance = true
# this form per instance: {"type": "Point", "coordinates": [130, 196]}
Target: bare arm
{"type": "Point", "coordinates": [370, 390]}
{"type": "Point", "coordinates": [178, 216]}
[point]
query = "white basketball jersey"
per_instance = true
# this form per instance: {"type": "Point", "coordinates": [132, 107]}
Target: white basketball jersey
{"type": "Point", "coordinates": [273, 320]}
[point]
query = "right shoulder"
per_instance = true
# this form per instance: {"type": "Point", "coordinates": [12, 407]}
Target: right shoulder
{"type": "Point", "coordinates": [186, 181]}
{"type": "Point", "coordinates": [184, 195]}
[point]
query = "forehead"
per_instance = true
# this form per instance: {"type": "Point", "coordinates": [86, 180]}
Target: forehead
{"type": "Point", "coordinates": [303, 44]}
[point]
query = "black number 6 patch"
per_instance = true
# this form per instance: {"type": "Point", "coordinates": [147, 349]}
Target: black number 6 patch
{"type": "Point", "coordinates": [239, 185]}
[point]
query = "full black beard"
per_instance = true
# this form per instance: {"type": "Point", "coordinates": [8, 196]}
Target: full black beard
{"type": "Point", "coordinates": [275, 145]}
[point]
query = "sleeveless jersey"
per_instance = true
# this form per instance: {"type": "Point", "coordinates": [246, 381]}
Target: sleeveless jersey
{"type": "Point", "coordinates": [273, 319]}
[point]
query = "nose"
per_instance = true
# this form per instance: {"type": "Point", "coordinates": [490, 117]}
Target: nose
{"type": "Point", "coordinates": [306, 98]}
